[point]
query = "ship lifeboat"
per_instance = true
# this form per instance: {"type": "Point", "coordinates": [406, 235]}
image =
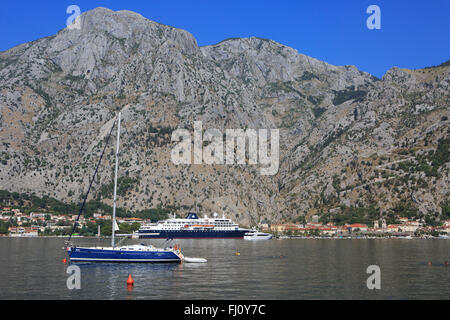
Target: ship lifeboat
{"type": "Point", "coordinates": [206, 226]}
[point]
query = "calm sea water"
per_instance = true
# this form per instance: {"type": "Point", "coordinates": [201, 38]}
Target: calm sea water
{"type": "Point", "coordinates": [32, 268]}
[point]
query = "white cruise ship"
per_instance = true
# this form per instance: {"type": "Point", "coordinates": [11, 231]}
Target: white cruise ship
{"type": "Point", "coordinates": [192, 227]}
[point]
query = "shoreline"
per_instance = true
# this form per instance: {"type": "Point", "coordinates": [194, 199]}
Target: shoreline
{"type": "Point", "coordinates": [274, 238]}
{"type": "Point", "coordinates": [358, 238]}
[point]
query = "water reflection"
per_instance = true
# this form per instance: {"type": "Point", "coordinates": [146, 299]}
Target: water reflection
{"type": "Point", "coordinates": [285, 269]}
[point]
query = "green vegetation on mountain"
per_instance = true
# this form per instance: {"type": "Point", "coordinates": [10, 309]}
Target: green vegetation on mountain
{"type": "Point", "coordinates": [31, 203]}
{"type": "Point", "coordinates": [443, 64]}
{"type": "Point", "coordinates": [350, 215]}
{"type": "Point", "coordinates": [349, 94]}
{"type": "Point", "coordinates": [318, 111]}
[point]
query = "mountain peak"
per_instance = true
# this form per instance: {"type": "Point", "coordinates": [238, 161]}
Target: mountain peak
{"type": "Point", "coordinates": [60, 94]}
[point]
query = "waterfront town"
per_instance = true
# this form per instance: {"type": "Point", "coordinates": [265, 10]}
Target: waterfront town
{"type": "Point", "coordinates": [41, 223]}
{"type": "Point", "coordinates": [406, 228]}
{"type": "Point", "coordinates": [49, 224]}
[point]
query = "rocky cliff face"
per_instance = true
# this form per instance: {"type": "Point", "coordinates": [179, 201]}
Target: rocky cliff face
{"type": "Point", "coordinates": [346, 137]}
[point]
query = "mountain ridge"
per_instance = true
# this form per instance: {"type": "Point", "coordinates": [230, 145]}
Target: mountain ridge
{"type": "Point", "coordinates": [60, 94]}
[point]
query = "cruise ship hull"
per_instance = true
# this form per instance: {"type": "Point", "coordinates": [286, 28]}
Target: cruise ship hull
{"type": "Point", "coordinates": [103, 255]}
{"type": "Point", "coordinates": [191, 234]}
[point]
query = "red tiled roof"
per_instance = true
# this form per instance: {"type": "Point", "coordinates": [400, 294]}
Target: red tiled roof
{"type": "Point", "coordinates": [358, 225]}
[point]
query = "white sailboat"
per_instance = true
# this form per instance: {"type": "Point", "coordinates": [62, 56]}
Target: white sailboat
{"type": "Point", "coordinates": [131, 253]}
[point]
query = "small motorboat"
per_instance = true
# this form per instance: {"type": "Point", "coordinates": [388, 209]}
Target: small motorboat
{"type": "Point", "coordinates": [256, 235]}
{"type": "Point", "coordinates": [194, 260]}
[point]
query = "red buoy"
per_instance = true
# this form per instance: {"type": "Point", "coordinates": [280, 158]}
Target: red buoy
{"type": "Point", "coordinates": [130, 281]}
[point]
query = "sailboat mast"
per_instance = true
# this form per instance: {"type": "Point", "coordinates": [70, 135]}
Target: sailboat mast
{"type": "Point", "coordinates": [115, 182]}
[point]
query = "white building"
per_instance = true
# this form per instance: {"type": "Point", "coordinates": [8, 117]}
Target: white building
{"type": "Point", "coordinates": [23, 232]}
{"type": "Point", "coordinates": [408, 227]}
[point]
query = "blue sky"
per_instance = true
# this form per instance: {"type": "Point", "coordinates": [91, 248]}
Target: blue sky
{"type": "Point", "coordinates": [413, 34]}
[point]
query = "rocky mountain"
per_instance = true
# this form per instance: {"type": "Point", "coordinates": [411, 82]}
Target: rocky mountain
{"type": "Point", "coordinates": [347, 138]}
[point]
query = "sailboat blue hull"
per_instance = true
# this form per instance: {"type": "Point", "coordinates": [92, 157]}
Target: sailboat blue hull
{"type": "Point", "coordinates": [105, 255]}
